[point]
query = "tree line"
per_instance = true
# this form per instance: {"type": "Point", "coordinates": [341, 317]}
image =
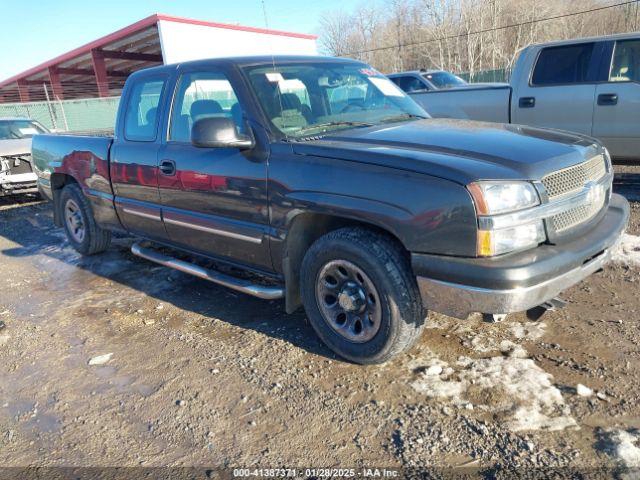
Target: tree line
{"type": "Point", "coordinates": [467, 36]}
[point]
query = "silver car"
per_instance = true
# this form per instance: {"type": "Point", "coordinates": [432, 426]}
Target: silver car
{"type": "Point", "coordinates": [426, 80]}
{"type": "Point", "coordinates": [16, 170]}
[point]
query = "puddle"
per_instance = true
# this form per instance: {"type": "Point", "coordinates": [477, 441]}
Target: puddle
{"type": "Point", "coordinates": [44, 423]}
{"type": "Point", "coordinates": [19, 408]}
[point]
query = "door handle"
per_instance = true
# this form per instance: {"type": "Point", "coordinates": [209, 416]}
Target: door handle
{"type": "Point", "coordinates": [168, 167]}
{"type": "Point", "coordinates": [527, 102]}
{"type": "Point", "coordinates": [608, 99]}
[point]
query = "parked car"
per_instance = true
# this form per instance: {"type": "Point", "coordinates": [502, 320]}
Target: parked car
{"type": "Point", "coordinates": [16, 173]}
{"type": "Point", "coordinates": [420, 81]}
{"type": "Point", "coordinates": [364, 211]}
{"type": "Point", "coordinates": [426, 80]}
{"type": "Point", "coordinates": [589, 86]}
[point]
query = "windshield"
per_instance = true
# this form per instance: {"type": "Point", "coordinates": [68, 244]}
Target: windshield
{"type": "Point", "coordinates": [16, 129]}
{"type": "Point", "coordinates": [444, 79]}
{"type": "Point", "coordinates": [313, 99]}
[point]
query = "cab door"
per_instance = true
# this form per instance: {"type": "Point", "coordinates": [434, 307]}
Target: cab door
{"type": "Point", "coordinates": [616, 120]}
{"type": "Point", "coordinates": [561, 90]}
{"type": "Point", "coordinates": [134, 157]}
{"type": "Point", "coordinates": [214, 200]}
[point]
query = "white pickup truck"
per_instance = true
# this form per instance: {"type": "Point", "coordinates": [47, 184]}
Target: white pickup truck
{"type": "Point", "coordinates": [589, 86]}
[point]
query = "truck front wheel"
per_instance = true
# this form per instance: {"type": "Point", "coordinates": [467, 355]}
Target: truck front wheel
{"type": "Point", "coordinates": [361, 296]}
{"type": "Point", "coordinates": [83, 233]}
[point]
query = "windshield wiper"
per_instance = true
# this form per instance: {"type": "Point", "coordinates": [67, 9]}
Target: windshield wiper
{"type": "Point", "coordinates": [404, 116]}
{"type": "Point", "coordinates": [335, 124]}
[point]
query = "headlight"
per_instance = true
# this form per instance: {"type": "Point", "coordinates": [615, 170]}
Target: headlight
{"type": "Point", "coordinates": [492, 198]}
{"type": "Point", "coordinates": [607, 160]}
{"type": "Point", "coordinates": [496, 242]}
{"type": "Point", "coordinates": [499, 230]}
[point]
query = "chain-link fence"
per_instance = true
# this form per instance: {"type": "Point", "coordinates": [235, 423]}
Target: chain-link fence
{"type": "Point", "coordinates": [68, 115]}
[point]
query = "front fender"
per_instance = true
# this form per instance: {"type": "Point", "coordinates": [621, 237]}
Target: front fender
{"type": "Point", "coordinates": [426, 213]}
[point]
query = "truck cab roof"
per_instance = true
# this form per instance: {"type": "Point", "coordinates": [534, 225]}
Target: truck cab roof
{"type": "Point", "coordinates": [601, 38]}
{"type": "Point", "coordinates": [245, 61]}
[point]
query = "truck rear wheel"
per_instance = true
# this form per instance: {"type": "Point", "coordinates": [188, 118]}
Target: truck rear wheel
{"type": "Point", "coordinates": [79, 224]}
{"type": "Point", "coordinates": [361, 296]}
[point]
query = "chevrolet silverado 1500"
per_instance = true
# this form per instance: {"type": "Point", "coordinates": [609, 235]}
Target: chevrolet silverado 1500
{"type": "Point", "coordinates": [359, 207]}
{"type": "Point", "coordinates": [589, 86]}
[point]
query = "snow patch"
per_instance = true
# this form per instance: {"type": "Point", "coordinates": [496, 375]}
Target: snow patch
{"type": "Point", "coordinates": [483, 337]}
{"type": "Point", "coordinates": [583, 390]}
{"type": "Point", "coordinates": [100, 359]}
{"type": "Point", "coordinates": [518, 392]}
{"type": "Point", "coordinates": [628, 251]}
{"type": "Point", "coordinates": [623, 446]}
{"type": "Point", "coordinates": [528, 330]}
{"type": "Point", "coordinates": [504, 337]}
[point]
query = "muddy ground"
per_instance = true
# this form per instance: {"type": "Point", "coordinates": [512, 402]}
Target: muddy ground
{"type": "Point", "coordinates": [200, 375]}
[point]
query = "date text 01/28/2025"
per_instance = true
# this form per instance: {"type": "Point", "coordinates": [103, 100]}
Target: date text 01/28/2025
{"type": "Point", "coordinates": [316, 472]}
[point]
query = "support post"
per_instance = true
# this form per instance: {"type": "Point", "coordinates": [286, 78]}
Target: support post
{"type": "Point", "coordinates": [100, 71]}
{"type": "Point", "coordinates": [23, 90]}
{"type": "Point", "coordinates": [56, 86]}
{"type": "Point", "coordinates": [50, 107]}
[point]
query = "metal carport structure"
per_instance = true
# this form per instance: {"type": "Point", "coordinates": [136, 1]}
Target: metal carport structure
{"type": "Point", "coordinates": [100, 68]}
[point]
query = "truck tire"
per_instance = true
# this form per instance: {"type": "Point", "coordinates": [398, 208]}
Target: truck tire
{"type": "Point", "coordinates": [83, 233]}
{"type": "Point", "coordinates": [361, 296]}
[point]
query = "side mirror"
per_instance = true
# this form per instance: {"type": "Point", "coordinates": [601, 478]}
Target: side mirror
{"type": "Point", "coordinates": [219, 132]}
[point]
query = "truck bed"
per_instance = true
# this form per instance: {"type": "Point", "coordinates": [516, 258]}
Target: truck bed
{"type": "Point", "coordinates": [85, 158]}
{"type": "Point", "coordinates": [489, 103]}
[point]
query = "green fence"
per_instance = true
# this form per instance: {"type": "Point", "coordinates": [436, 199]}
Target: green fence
{"type": "Point", "coordinates": [68, 115]}
{"type": "Point", "coordinates": [500, 75]}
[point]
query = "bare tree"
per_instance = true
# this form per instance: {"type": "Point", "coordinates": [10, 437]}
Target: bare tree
{"type": "Point", "coordinates": [463, 35]}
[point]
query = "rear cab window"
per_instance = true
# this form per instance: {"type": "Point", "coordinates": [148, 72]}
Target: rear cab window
{"type": "Point", "coordinates": [563, 65]}
{"type": "Point", "coordinates": [141, 117]}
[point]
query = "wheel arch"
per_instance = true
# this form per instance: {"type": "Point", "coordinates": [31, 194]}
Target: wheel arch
{"type": "Point", "coordinates": [58, 182]}
{"type": "Point", "coordinates": [307, 227]}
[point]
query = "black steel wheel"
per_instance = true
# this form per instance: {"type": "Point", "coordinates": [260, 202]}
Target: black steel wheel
{"type": "Point", "coordinates": [348, 301]}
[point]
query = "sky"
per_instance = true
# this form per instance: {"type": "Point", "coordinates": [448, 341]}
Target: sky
{"type": "Point", "coordinates": [32, 32]}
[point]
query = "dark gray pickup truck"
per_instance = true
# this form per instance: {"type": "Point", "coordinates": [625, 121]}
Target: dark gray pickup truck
{"type": "Point", "coordinates": [326, 180]}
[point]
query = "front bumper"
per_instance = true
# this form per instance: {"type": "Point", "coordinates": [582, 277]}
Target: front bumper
{"type": "Point", "coordinates": [17, 184]}
{"type": "Point", "coordinates": [513, 283]}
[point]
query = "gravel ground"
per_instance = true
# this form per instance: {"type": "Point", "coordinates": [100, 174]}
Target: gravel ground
{"type": "Point", "coordinates": [112, 360]}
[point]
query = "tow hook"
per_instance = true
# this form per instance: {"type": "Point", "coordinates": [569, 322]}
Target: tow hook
{"type": "Point", "coordinates": [552, 305]}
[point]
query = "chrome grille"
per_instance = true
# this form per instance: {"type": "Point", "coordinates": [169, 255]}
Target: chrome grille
{"type": "Point", "coordinates": [575, 216]}
{"type": "Point", "coordinates": [574, 178]}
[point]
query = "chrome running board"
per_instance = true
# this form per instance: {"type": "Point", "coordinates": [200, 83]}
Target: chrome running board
{"type": "Point", "coordinates": [237, 284]}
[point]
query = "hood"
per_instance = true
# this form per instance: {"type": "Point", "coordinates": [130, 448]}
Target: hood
{"type": "Point", "coordinates": [20, 146]}
{"type": "Point", "coordinates": [458, 150]}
